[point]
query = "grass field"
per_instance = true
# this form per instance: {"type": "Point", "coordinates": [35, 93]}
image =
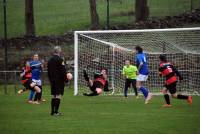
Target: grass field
{"type": "Point", "coordinates": [65, 15]}
{"type": "Point", "coordinates": [98, 115]}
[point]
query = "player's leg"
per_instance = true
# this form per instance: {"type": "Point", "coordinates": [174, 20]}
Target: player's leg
{"type": "Point", "coordinates": [135, 88]}
{"type": "Point", "coordinates": [139, 86]}
{"type": "Point", "coordinates": [57, 104]}
{"type": "Point", "coordinates": [22, 90]}
{"type": "Point", "coordinates": [141, 78]}
{"type": "Point", "coordinates": [166, 97]}
{"type": "Point", "coordinates": [31, 95]}
{"type": "Point", "coordinates": [36, 89]}
{"type": "Point", "coordinates": [172, 91]}
{"type": "Point", "coordinates": [126, 86]}
{"type": "Point", "coordinates": [96, 89]}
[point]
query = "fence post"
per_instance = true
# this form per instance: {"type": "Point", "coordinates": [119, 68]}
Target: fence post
{"type": "Point", "coordinates": [5, 83]}
{"type": "Point", "coordinates": [5, 43]}
{"type": "Point", "coordinates": [108, 15]}
{"type": "Point", "coordinates": [15, 79]}
{"type": "Point", "coordinates": [191, 5]}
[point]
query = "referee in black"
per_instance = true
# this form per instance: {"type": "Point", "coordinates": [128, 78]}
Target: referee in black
{"type": "Point", "coordinates": [57, 76]}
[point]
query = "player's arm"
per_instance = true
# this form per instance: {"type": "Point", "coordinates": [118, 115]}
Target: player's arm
{"type": "Point", "coordinates": [123, 72]}
{"type": "Point", "coordinates": [140, 65]}
{"type": "Point", "coordinates": [177, 72]}
{"type": "Point", "coordinates": [159, 72]}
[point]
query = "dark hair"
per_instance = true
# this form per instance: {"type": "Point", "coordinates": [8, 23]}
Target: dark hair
{"type": "Point", "coordinates": [139, 49]}
{"type": "Point", "coordinates": [162, 57]}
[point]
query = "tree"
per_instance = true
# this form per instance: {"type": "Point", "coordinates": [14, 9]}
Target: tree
{"type": "Point", "coordinates": [94, 15]}
{"type": "Point", "coordinates": [141, 10]}
{"type": "Point", "coordinates": [29, 18]}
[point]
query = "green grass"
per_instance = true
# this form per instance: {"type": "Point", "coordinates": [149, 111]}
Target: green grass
{"type": "Point", "coordinates": [98, 115]}
{"type": "Point", "coordinates": [65, 15]}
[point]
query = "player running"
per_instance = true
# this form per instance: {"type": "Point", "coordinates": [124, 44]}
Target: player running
{"type": "Point", "coordinates": [130, 72]}
{"type": "Point", "coordinates": [167, 70]}
{"type": "Point", "coordinates": [27, 80]}
{"type": "Point", "coordinates": [143, 71]}
{"type": "Point", "coordinates": [97, 85]}
{"type": "Point", "coordinates": [36, 69]}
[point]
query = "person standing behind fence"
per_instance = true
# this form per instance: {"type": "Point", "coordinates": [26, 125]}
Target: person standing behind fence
{"type": "Point", "coordinates": [57, 76]}
{"type": "Point", "coordinates": [36, 70]}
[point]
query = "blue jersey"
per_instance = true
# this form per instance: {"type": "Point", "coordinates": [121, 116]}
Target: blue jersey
{"type": "Point", "coordinates": [36, 69]}
{"type": "Point", "coordinates": [141, 57]}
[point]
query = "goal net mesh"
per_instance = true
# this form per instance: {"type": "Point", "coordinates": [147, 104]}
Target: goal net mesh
{"type": "Point", "coordinates": [109, 49]}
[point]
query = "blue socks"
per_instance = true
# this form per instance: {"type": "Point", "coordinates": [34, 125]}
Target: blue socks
{"type": "Point", "coordinates": [144, 91]}
{"type": "Point", "coordinates": [31, 95]}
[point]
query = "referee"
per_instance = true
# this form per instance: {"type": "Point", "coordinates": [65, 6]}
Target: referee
{"type": "Point", "coordinates": [57, 76]}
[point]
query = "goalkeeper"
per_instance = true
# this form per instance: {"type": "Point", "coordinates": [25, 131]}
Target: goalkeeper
{"type": "Point", "coordinates": [130, 72]}
{"type": "Point", "coordinates": [97, 85]}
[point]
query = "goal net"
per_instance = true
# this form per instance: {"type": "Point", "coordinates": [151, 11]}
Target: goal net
{"type": "Point", "coordinates": [109, 49]}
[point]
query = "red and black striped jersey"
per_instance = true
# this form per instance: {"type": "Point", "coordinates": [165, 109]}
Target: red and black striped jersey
{"type": "Point", "coordinates": [26, 74]}
{"type": "Point", "coordinates": [101, 80]}
{"type": "Point", "coordinates": [167, 70]}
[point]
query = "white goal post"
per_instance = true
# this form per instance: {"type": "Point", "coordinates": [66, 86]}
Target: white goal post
{"type": "Point", "coordinates": [109, 48]}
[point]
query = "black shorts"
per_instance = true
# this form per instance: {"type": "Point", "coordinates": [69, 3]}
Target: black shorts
{"type": "Point", "coordinates": [130, 82]}
{"type": "Point", "coordinates": [27, 84]}
{"type": "Point", "coordinates": [171, 87]}
{"type": "Point", "coordinates": [95, 85]}
{"type": "Point", "coordinates": [57, 88]}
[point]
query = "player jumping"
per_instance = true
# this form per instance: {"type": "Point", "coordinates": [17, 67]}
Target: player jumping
{"type": "Point", "coordinates": [143, 70]}
{"type": "Point", "coordinates": [97, 85]}
{"type": "Point", "coordinates": [27, 80]}
{"type": "Point", "coordinates": [167, 70]}
{"type": "Point", "coordinates": [36, 69]}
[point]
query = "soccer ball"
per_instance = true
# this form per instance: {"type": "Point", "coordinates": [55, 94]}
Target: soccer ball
{"type": "Point", "coordinates": [69, 76]}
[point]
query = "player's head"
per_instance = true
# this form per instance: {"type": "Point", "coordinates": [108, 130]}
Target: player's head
{"type": "Point", "coordinates": [35, 57]}
{"type": "Point", "coordinates": [163, 58]}
{"type": "Point", "coordinates": [104, 71]}
{"type": "Point", "coordinates": [26, 63]}
{"type": "Point", "coordinates": [127, 62]}
{"type": "Point", "coordinates": [57, 50]}
{"type": "Point", "coordinates": [138, 49]}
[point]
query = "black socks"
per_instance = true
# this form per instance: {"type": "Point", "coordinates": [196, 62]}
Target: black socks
{"type": "Point", "coordinates": [179, 96]}
{"type": "Point", "coordinates": [166, 96]}
{"type": "Point", "coordinates": [55, 103]}
{"type": "Point", "coordinates": [52, 106]}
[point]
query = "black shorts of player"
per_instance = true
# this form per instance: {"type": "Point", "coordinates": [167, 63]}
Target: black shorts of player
{"type": "Point", "coordinates": [130, 82]}
{"type": "Point", "coordinates": [171, 88]}
{"type": "Point", "coordinates": [57, 87]}
{"type": "Point", "coordinates": [95, 85]}
{"type": "Point", "coordinates": [27, 84]}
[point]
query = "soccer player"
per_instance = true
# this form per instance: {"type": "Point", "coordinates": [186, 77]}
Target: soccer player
{"type": "Point", "coordinates": [36, 69]}
{"type": "Point", "coordinates": [167, 70]}
{"type": "Point", "coordinates": [143, 71]}
{"type": "Point", "coordinates": [130, 72]}
{"type": "Point", "coordinates": [27, 80]}
{"type": "Point", "coordinates": [57, 76]}
{"type": "Point", "coordinates": [98, 84]}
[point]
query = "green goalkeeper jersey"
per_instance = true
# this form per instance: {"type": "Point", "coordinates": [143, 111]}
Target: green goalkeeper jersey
{"type": "Point", "coordinates": [130, 71]}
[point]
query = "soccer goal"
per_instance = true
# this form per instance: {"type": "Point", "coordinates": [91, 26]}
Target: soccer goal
{"type": "Point", "coordinates": [108, 49]}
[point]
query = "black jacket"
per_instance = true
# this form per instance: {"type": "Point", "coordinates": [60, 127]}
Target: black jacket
{"type": "Point", "coordinates": [56, 69]}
